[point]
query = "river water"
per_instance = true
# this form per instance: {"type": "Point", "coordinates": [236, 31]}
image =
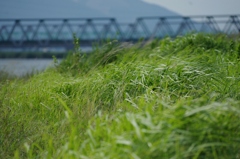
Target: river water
{"type": "Point", "coordinates": [21, 67]}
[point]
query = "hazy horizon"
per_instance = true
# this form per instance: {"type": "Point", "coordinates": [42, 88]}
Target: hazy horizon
{"type": "Point", "coordinates": [200, 7]}
{"type": "Point", "coordinates": [124, 10]}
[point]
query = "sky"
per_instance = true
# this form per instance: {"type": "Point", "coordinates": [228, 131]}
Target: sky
{"type": "Point", "coordinates": [200, 7]}
{"type": "Point", "coordinates": [182, 7]}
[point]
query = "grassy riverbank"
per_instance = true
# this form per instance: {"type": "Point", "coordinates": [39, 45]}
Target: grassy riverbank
{"type": "Point", "coordinates": [169, 99]}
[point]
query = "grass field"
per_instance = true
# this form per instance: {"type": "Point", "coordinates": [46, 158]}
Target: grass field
{"type": "Point", "coordinates": [169, 99]}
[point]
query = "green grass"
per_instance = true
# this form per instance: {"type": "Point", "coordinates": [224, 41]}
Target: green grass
{"type": "Point", "coordinates": [169, 99]}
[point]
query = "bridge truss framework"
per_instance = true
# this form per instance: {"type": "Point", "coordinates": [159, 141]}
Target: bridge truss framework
{"type": "Point", "coordinates": [40, 33]}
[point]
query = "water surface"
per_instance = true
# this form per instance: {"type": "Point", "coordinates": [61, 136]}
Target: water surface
{"type": "Point", "coordinates": [21, 67]}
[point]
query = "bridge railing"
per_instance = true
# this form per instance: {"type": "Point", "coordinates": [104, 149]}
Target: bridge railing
{"type": "Point", "coordinates": [59, 32]}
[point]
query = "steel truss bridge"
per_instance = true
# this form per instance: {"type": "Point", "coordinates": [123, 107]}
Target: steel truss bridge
{"type": "Point", "coordinates": [58, 33]}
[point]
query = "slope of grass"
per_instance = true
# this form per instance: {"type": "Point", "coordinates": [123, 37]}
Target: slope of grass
{"type": "Point", "coordinates": [169, 99]}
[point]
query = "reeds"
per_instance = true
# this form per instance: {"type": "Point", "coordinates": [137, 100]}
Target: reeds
{"type": "Point", "coordinates": [169, 99]}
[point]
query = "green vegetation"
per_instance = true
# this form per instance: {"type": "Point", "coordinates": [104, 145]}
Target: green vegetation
{"type": "Point", "coordinates": [168, 99]}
